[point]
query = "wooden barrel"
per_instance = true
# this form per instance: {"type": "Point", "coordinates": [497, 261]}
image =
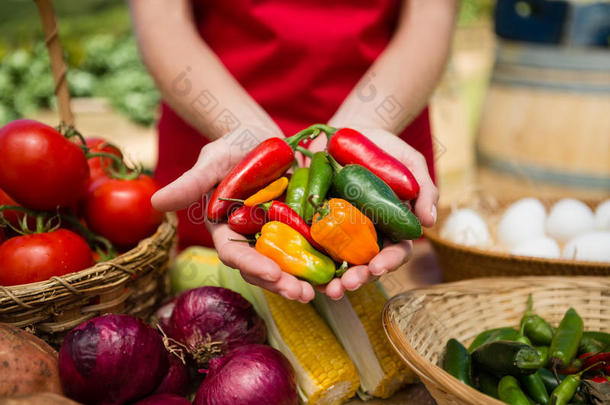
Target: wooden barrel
{"type": "Point", "coordinates": [547, 115]}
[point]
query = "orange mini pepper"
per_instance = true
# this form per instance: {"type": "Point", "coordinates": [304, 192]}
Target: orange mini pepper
{"type": "Point", "coordinates": [270, 192]}
{"type": "Point", "coordinates": [345, 232]}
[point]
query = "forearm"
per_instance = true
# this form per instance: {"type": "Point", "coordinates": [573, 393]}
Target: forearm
{"type": "Point", "coordinates": [398, 85]}
{"type": "Point", "coordinates": [191, 78]}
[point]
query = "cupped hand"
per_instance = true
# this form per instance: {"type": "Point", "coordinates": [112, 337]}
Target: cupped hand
{"type": "Point", "coordinates": [215, 161]}
{"type": "Point", "coordinates": [391, 256]}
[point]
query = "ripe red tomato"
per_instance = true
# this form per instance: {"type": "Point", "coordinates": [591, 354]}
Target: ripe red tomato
{"type": "Point", "coordinates": [98, 164]}
{"type": "Point", "coordinates": [2, 236]}
{"type": "Point", "coordinates": [36, 257]}
{"type": "Point", "coordinates": [11, 216]}
{"type": "Point", "coordinates": [120, 210]}
{"type": "Point", "coordinates": [40, 168]}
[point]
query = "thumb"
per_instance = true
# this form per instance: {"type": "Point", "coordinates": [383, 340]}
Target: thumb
{"type": "Point", "coordinates": [212, 165]}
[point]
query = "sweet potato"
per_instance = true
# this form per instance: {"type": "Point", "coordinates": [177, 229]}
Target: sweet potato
{"type": "Point", "coordinates": [28, 365]}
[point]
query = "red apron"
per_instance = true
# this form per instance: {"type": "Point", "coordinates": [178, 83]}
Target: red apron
{"type": "Point", "coordinates": [298, 59]}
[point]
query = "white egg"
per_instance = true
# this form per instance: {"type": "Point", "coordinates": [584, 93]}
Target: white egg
{"type": "Point", "coordinates": [602, 216]}
{"type": "Point", "coordinates": [593, 246]}
{"type": "Point", "coordinates": [569, 218]}
{"type": "Point", "coordinates": [466, 227]}
{"type": "Point", "coordinates": [522, 220]}
{"type": "Point", "coordinates": [539, 247]}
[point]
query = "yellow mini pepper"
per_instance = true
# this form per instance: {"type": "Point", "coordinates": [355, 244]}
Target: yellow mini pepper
{"type": "Point", "coordinates": [345, 232]}
{"type": "Point", "coordinates": [291, 251]}
{"type": "Point", "coordinates": [270, 192]}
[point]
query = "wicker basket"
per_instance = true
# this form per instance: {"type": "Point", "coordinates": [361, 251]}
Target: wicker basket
{"type": "Point", "coordinates": [459, 262]}
{"type": "Point", "coordinates": [419, 322]}
{"type": "Point", "coordinates": [132, 283]}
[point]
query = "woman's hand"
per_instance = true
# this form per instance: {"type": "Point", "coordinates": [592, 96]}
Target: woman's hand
{"type": "Point", "coordinates": [214, 163]}
{"type": "Point", "coordinates": [391, 256]}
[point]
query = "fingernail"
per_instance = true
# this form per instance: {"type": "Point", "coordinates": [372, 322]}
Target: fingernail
{"type": "Point", "coordinates": [433, 213]}
{"type": "Point", "coordinates": [268, 277]}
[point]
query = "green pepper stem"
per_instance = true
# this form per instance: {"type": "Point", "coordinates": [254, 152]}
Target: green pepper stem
{"type": "Point", "coordinates": [305, 152]}
{"type": "Point", "coordinates": [231, 199]}
{"type": "Point", "coordinates": [243, 240]}
{"type": "Point", "coordinates": [294, 140]}
{"type": "Point", "coordinates": [327, 129]}
{"type": "Point", "coordinates": [333, 163]}
{"type": "Point", "coordinates": [342, 269]}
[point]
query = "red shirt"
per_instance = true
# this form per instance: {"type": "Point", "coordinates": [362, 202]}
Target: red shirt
{"type": "Point", "coordinates": [298, 59]}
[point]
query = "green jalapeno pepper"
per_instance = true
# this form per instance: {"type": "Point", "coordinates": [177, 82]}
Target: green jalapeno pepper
{"type": "Point", "coordinates": [543, 352]}
{"type": "Point", "coordinates": [506, 357]}
{"type": "Point", "coordinates": [510, 392]}
{"type": "Point", "coordinates": [549, 379]}
{"type": "Point", "coordinates": [535, 388]}
{"type": "Point", "coordinates": [457, 361]}
{"type": "Point", "coordinates": [535, 327]}
{"type": "Point", "coordinates": [376, 200]}
{"type": "Point", "coordinates": [566, 339]}
{"type": "Point", "coordinates": [593, 342]}
{"type": "Point", "coordinates": [493, 335]}
{"type": "Point", "coordinates": [296, 193]}
{"type": "Point", "coordinates": [487, 384]}
{"type": "Point", "coordinates": [320, 180]}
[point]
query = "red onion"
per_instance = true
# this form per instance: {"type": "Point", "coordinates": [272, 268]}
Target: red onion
{"type": "Point", "coordinates": [111, 359]}
{"type": "Point", "coordinates": [163, 399]}
{"type": "Point", "coordinates": [176, 381]}
{"type": "Point", "coordinates": [164, 313]}
{"type": "Point", "coordinates": [249, 375]}
{"type": "Point", "coordinates": [210, 321]}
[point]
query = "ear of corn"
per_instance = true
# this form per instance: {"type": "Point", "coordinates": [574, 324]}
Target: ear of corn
{"type": "Point", "coordinates": [356, 321]}
{"type": "Point", "coordinates": [325, 373]}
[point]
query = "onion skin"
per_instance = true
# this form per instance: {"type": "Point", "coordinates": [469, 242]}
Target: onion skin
{"type": "Point", "coordinates": [176, 381]}
{"type": "Point", "coordinates": [111, 360]}
{"type": "Point", "coordinates": [163, 399]}
{"type": "Point", "coordinates": [211, 321]}
{"type": "Point", "coordinates": [249, 375]}
{"type": "Point", "coordinates": [164, 314]}
{"type": "Point", "coordinates": [28, 365]}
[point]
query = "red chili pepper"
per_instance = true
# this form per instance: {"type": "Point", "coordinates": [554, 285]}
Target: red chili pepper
{"type": "Point", "coordinates": [349, 146]}
{"type": "Point", "coordinates": [262, 165]}
{"type": "Point", "coordinates": [600, 379]}
{"type": "Point", "coordinates": [602, 358]}
{"type": "Point", "coordinates": [247, 220]}
{"type": "Point", "coordinates": [281, 212]}
{"type": "Point", "coordinates": [278, 211]}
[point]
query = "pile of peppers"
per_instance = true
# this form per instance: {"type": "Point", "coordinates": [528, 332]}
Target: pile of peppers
{"type": "Point", "coordinates": [537, 363]}
{"type": "Point", "coordinates": [322, 218]}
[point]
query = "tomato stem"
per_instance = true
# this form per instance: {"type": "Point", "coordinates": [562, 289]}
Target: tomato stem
{"type": "Point", "coordinates": [102, 245]}
{"type": "Point", "coordinates": [68, 131]}
{"type": "Point", "coordinates": [44, 220]}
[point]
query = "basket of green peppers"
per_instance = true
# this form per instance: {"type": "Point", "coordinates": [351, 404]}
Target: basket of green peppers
{"type": "Point", "coordinates": [557, 354]}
